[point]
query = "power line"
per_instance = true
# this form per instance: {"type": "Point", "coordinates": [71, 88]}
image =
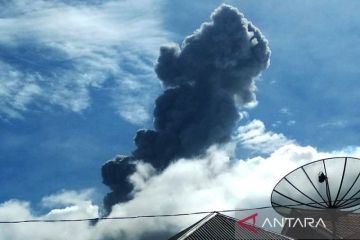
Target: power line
{"type": "Point", "coordinates": [158, 215]}
{"type": "Point", "coordinates": [131, 217]}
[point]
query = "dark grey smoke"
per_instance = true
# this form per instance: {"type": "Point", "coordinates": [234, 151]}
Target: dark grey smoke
{"type": "Point", "coordinates": [207, 79]}
{"type": "Point", "coordinates": [114, 174]}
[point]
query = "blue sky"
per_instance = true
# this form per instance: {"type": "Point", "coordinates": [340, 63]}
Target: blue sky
{"type": "Point", "coordinates": [77, 81]}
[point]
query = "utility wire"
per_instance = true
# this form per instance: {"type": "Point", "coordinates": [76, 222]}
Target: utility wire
{"type": "Point", "coordinates": [160, 215]}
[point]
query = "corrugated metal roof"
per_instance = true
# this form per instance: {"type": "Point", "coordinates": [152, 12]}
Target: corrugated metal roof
{"type": "Point", "coordinates": [342, 224]}
{"type": "Point", "coordinates": [345, 225]}
{"type": "Point", "coordinates": [218, 226]}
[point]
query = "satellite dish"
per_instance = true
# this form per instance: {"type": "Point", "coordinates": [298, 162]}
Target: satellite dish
{"type": "Point", "coordinates": [326, 184]}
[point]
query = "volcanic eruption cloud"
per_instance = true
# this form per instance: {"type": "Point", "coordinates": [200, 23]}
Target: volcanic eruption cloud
{"type": "Point", "coordinates": [206, 81]}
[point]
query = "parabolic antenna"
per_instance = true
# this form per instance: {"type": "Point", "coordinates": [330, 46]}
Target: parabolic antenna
{"type": "Point", "coordinates": [326, 184]}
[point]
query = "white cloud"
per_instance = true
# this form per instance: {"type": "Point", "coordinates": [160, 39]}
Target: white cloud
{"type": "Point", "coordinates": [334, 124]}
{"type": "Point", "coordinates": [16, 92]}
{"type": "Point", "coordinates": [243, 114]}
{"type": "Point", "coordinates": [67, 198]}
{"type": "Point", "coordinates": [291, 122]}
{"type": "Point", "coordinates": [66, 50]}
{"type": "Point", "coordinates": [212, 182]}
{"type": "Point", "coordinates": [254, 136]}
{"type": "Point", "coordinates": [17, 210]}
{"type": "Point", "coordinates": [276, 124]}
{"type": "Point", "coordinates": [285, 111]}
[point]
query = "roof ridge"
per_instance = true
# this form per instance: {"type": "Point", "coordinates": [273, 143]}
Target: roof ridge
{"type": "Point", "coordinates": [198, 225]}
{"type": "Point", "coordinates": [187, 233]}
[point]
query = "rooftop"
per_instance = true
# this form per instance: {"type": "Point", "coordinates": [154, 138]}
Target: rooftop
{"type": "Point", "coordinates": [218, 226]}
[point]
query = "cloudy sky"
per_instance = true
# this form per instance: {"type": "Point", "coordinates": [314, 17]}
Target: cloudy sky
{"type": "Point", "coordinates": [77, 80]}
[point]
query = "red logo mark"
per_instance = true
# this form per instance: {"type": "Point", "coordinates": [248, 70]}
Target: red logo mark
{"type": "Point", "coordinates": [248, 226]}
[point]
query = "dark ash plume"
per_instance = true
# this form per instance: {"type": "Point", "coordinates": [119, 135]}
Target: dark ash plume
{"type": "Point", "coordinates": [114, 174]}
{"type": "Point", "coordinates": [207, 79]}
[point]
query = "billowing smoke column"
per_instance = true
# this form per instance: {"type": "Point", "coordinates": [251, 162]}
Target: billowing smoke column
{"type": "Point", "coordinates": [206, 80]}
